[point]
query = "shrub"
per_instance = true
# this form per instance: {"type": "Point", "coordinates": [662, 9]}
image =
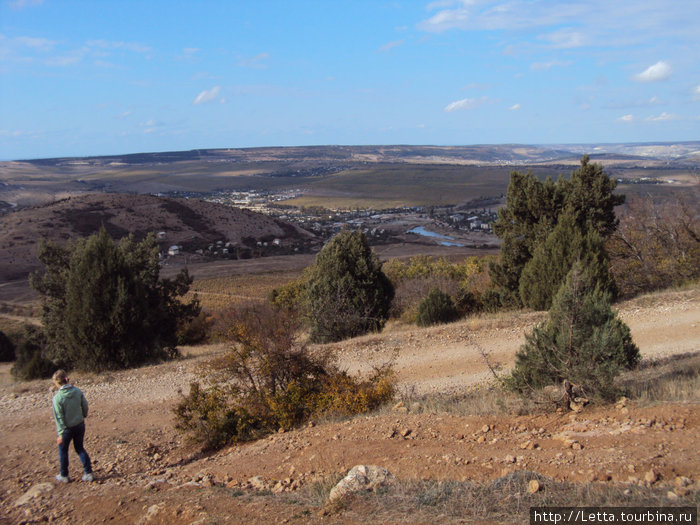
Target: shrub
{"type": "Point", "coordinates": [207, 417]}
{"type": "Point", "coordinates": [491, 300]}
{"type": "Point", "coordinates": [196, 330]}
{"type": "Point", "coordinates": [342, 395]}
{"type": "Point", "coordinates": [437, 307]}
{"type": "Point", "coordinates": [268, 380]}
{"type": "Point", "coordinates": [414, 279]}
{"type": "Point", "coordinates": [7, 348]}
{"type": "Point", "coordinates": [32, 362]}
{"type": "Point", "coordinates": [656, 246]}
{"type": "Point", "coordinates": [292, 297]}
{"type": "Point", "coordinates": [582, 342]}
{"type": "Point", "coordinates": [104, 306]}
{"type": "Point", "coordinates": [348, 294]}
{"type": "Point", "coordinates": [412, 291]}
{"type": "Point", "coordinates": [467, 302]}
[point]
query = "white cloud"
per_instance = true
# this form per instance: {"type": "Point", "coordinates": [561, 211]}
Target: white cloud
{"type": "Point", "coordinates": [438, 4]}
{"type": "Point", "coordinates": [208, 95]}
{"type": "Point", "coordinates": [128, 46]}
{"type": "Point", "coordinates": [697, 90]}
{"type": "Point", "coordinates": [21, 4]}
{"type": "Point", "coordinates": [189, 54]}
{"type": "Point", "coordinates": [256, 62]}
{"type": "Point", "coordinates": [659, 71]}
{"type": "Point", "coordinates": [626, 118]}
{"type": "Point", "coordinates": [69, 59]}
{"type": "Point", "coordinates": [465, 103]}
{"type": "Point", "coordinates": [544, 66]}
{"type": "Point", "coordinates": [514, 107]}
{"type": "Point", "coordinates": [492, 15]}
{"type": "Point", "coordinates": [566, 24]}
{"type": "Point", "coordinates": [476, 85]}
{"type": "Point", "coordinates": [565, 39]}
{"type": "Point", "coordinates": [390, 45]}
{"type": "Point", "coordinates": [40, 44]}
{"type": "Point", "coordinates": [660, 118]}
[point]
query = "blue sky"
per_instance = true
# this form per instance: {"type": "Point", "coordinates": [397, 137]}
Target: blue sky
{"type": "Point", "coordinates": [106, 77]}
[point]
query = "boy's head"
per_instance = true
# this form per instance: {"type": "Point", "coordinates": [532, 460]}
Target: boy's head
{"type": "Point", "coordinates": [60, 378]}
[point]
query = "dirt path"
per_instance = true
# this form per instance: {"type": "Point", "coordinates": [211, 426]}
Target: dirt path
{"type": "Point", "coordinates": [143, 466]}
{"type": "Point", "coordinates": [447, 358]}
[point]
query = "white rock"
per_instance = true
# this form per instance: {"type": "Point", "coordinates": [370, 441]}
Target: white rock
{"type": "Point", "coordinates": [359, 478]}
{"type": "Point", "coordinates": [152, 513]}
{"type": "Point", "coordinates": [34, 492]}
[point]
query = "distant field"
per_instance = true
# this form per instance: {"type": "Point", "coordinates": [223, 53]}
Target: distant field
{"type": "Point", "coordinates": [355, 177]}
{"type": "Point", "coordinates": [394, 185]}
{"type": "Point", "coordinates": [219, 293]}
{"type": "Point", "coordinates": [384, 186]}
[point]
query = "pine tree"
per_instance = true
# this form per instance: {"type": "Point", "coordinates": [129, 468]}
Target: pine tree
{"type": "Point", "coordinates": [544, 274]}
{"type": "Point", "coordinates": [104, 306]}
{"type": "Point", "coordinates": [590, 197]}
{"type": "Point", "coordinates": [348, 294]}
{"type": "Point", "coordinates": [533, 210]}
{"type": "Point", "coordinates": [582, 342]}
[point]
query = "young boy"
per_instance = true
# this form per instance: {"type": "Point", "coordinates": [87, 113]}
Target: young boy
{"type": "Point", "coordinates": [70, 408]}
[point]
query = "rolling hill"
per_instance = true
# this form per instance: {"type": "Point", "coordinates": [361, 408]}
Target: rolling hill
{"type": "Point", "coordinates": [188, 222]}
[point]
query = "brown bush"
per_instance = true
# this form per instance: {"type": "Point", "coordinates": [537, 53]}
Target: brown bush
{"type": "Point", "coordinates": [269, 380]}
{"type": "Point", "coordinates": [656, 245]}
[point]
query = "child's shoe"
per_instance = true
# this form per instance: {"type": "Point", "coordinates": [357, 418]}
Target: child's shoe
{"type": "Point", "coordinates": [62, 479]}
{"type": "Point", "coordinates": [88, 476]}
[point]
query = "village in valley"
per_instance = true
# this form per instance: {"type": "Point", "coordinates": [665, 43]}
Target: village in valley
{"type": "Point", "coordinates": [465, 225]}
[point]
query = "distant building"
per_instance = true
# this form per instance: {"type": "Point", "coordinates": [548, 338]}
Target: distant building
{"type": "Point", "coordinates": [174, 250]}
{"type": "Point", "coordinates": [161, 236]}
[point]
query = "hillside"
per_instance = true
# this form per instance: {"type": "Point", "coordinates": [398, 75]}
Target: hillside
{"type": "Point", "coordinates": [458, 460]}
{"type": "Point", "coordinates": [189, 222]}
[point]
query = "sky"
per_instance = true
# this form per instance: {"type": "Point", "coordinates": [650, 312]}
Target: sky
{"type": "Point", "coordinates": [100, 77]}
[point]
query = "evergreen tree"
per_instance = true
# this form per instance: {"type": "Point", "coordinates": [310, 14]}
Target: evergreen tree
{"type": "Point", "coordinates": [348, 294]}
{"type": "Point", "coordinates": [437, 307]}
{"type": "Point", "coordinates": [590, 197]}
{"type": "Point", "coordinates": [530, 213]}
{"type": "Point", "coordinates": [543, 275]}
{"type": "Point", "coordinates": [104, 305]}
{"type": "Point", "coordinates": [533, 210]}
{"type": "Point", "coordinates": [582, 341]}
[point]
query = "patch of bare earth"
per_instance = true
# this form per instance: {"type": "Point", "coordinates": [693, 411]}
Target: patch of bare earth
{"type": "Point", "coordinates": [146, 473]}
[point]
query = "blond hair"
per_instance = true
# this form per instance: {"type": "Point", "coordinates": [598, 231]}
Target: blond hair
{"type": "Point", "coordinates": [60, 377]}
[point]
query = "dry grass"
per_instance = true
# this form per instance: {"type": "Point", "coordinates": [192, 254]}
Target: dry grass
{"type": "Point", "coordinates": [688, 292]}
{"type": "Point", "coordinates": [482, 400]}
{"type": "Point", "coordinates": [503, 500]}
{"type": "Point", "coordinates": [671, 379]}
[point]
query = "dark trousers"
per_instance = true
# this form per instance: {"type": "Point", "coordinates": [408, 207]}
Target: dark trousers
{"type": "Point", "coordinates": [75, 434]}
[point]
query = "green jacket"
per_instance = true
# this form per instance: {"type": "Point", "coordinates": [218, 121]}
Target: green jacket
{"type": "Point", "coordinates": [70, 408]}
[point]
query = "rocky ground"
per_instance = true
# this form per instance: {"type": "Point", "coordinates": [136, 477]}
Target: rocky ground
{"type": "Point", "coordinates": [145, 473]}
